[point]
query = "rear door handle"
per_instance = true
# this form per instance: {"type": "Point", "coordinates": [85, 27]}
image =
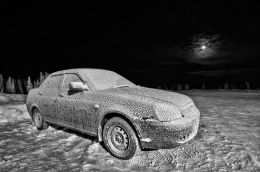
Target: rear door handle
{"type": "Point", "coordinates": [57, 100]}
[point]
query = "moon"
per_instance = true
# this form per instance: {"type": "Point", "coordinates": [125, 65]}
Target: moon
{"type": "Point", "coordinates": [203, 47]}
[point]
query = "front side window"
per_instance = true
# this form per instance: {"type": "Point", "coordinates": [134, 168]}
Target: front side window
{"type": "Point", "coordinates": [69, 77]}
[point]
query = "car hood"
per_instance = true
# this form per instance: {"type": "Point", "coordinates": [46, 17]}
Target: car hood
{"type": "Point", "coordinates": [171, 97]}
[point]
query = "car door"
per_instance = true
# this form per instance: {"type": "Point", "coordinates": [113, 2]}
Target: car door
{"type": "Point", "coordinates": [49, 96]}
{"type": "Point", "coordinates": [75, 108]}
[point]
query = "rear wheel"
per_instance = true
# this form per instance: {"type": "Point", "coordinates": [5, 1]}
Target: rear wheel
{"type": "Point", "coordinates": [120, 139]}
{"type": "Point", "coordinates": [39, 121]}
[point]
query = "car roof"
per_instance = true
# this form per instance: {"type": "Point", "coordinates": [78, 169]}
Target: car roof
{"type": "Point", "coordinates": [79, 70]}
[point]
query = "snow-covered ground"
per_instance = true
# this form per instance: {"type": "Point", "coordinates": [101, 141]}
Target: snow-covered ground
{"type": "Point", "coordinates": [228, 140]}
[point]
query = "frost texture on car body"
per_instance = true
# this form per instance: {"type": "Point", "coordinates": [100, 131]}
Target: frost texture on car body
{"type": "Point", "coordinates": [161, 119]}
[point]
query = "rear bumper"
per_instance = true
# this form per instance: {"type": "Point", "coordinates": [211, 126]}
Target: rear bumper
{"type": "Point", "coordinates": [160, 135]}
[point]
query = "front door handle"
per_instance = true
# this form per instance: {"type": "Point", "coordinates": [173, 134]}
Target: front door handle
{"type": "Point", "coordinates": [61, 95]}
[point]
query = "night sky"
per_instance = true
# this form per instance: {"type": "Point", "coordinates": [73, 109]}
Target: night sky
{"type": "Point", "coordinates": [148, 43]}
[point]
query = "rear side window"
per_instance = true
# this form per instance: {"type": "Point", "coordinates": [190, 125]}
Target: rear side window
{"type": "Point", "coordinates": [51, 86]}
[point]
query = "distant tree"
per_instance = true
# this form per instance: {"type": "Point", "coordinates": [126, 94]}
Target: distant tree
{"type": "Point", "coordinates": [10, 86]}
{"type": "Point", "coordinates": [19, 86]}
{"type": "Point", "coordinates": [203, 87]}
{"type": "Point", "coordinates": [179, 87]}
{"type": "Point", "coordinates": [46, 74]}
{"type": "Point", "coordinates": [36, 83]}
{"type": "Point", "coordinates": [24, 83]}
{"type": "Point", "coordinates": [13, 86]}
{"type": "Point", "coordinates": [247, 85]}
{"type": "Point", "coordinates": [28, 84]}
{"type": "Point", "coordinates": [1, 83]}
{"type": "Point", "coordinates": [232, 86]}
{"type": "Point", "coordinates": [43, 76]}
{"type": "Point", "coordinates": [187, 87]}
{"type": "Point", "coordinates": [164, 86]}
{"type": "Point", "coordinates": [173, 86]}
{"type": "Point", "coordinates": [226, 86]}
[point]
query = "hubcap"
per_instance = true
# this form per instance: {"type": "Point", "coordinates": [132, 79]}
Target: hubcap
{"type": "Point", "coordinates": [118, 139]}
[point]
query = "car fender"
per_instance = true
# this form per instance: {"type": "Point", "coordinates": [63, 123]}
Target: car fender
{"type": "Point", "coordinates": [123, 111]}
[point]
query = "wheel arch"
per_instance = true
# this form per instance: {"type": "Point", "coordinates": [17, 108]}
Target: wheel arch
{"type": "Point", "coordinates": [33, 107]}
{"type": "Point", "coordinates": [110, 115]}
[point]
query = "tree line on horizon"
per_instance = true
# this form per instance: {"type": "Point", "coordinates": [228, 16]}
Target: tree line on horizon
{"type": "Point", "coordinates": [225, 86]}
{"type": "Point", "coordinates": [20, 86]}
{"type": "Point", "coordinates": [23, 86]}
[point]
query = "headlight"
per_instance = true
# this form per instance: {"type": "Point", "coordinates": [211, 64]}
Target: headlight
{"type": "Point", "coordinates": [189, 112]}
{"type": "Point", "coordinates": [166, 112]}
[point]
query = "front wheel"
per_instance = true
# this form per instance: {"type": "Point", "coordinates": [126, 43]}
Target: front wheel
{"type": "Point", "coordinates": [39, 121]}
{"type": "Point", "coordinates": [120, 139]}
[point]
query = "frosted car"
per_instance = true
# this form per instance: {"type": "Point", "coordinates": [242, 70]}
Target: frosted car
{"type": "Point", "coordinates": [124, 116]}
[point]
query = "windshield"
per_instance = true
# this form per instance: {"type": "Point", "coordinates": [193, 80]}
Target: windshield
{"type": "Point", "coordinates": [103, 79]}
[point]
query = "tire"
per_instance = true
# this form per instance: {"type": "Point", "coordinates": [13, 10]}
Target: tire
{"type": "Point", "coordinates": [120, 139]}
{"type": "Point", "coordinates": [39, 121]}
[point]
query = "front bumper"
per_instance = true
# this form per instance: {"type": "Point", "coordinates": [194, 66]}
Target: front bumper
{"type": "Point", "coordinates": [159, 135]}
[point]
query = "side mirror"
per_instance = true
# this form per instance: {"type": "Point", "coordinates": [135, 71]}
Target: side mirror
{"type": "Point", "coordinates": [79, 86]}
